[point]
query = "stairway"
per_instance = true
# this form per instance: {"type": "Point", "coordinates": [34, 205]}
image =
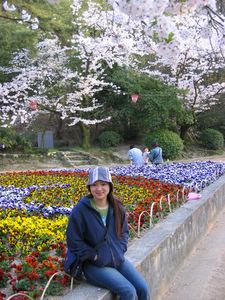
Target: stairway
{"type": "Point", "coordinates": [79, 158]}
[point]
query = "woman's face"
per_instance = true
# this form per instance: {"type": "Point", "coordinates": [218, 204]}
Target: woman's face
{"type": "Point", "coordinates": [100, 191]}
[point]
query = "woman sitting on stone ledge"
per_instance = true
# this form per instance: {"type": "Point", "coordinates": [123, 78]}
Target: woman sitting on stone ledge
{"type": "Point", "coordinates": [97, 235]}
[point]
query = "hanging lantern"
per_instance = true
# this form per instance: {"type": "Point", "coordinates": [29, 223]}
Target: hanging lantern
{"type": "Point", "coordinates": [33, 105]}
{"type": "Point", "coordinates": [134, 98]}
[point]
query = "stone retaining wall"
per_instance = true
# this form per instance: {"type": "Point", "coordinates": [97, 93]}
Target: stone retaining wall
{"type": "Point", "coordinates": [160, 252]}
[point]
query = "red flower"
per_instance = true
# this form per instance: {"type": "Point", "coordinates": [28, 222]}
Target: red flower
{"type": "Point", "coordinates": [3, 257]}
{"type": "Point", "coordinates": [64, 280]}
{"type": "Point", "coordinates": [21, 276]}
{"type": "Point", "coordinates": [35, 253]}
{"type": "Point", "coordinates": [2, 275]}
{"type": "Point", "coordinates": [19, 268]}
{"type": "Point", "coordinates": [2, 296]}
{"type": "Point", "coordinates": [54, 246]}
{"type": "Point", "coordinates": [33, 275]}
{"type": "Point", "coordinates": [49, 273]}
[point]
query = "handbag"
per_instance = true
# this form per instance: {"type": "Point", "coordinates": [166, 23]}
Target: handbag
{"type": "Point", "coordinates": [76, 270]}
{"type": "Point", "coordinates": [73, 265]}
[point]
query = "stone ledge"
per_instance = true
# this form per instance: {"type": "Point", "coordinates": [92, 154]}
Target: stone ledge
{"type": "Point", "coordinates": [160, 252]}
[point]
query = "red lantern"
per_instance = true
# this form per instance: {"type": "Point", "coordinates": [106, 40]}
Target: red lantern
{"type": "Point", "coordinates": [134, 97]}
{"type": "Point", "coordinates": [33, 105]}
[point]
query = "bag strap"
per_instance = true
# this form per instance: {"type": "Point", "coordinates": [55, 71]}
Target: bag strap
{"type": "Point", "coordinates": [157, 155]}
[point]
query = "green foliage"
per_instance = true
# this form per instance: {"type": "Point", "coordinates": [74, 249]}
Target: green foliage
{"type": "Point", "coordinates": [7, 137]}
{"type": "Point", "coordinates": [4, 269]}
{"type": "Point", "coordinates": [170, 142]}
{"type": "Point", "coordinates": [212, 139]}
{"type": "Point", "coordinates": [213, 118]}
{"type": "Point", "coordinates": [4, 279]}
{"type": "Point", "coordinates": [157, 106]}
{"type": "Point", "coordinates": [169, 38]}
{"type": "Point", "coordinates": [14, 141]}
{"type": "Point", "coordinates": [186, 118]}
{"type": "Point", "coordinates": [54, 19]}
{"type": "Point", "coordinates": [14, 37]}
{"type": "Point", "coordinates": [22, 144]}
{"type": "Point", "coordinates": [109, 139]}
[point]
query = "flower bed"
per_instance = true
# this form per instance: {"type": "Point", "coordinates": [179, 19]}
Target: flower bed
{"type": "Point", "coordinates": [194, 175]}
{"type": "Point", "coordinates": [34, 209]}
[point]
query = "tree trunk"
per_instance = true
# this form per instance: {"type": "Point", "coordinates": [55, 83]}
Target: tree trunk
{"type": "Point", "coordinates": [85, 131]}
{"type": "Point", "coordinates": [58, 127]}
{"type": "Point", "coordinates": [183, 131]}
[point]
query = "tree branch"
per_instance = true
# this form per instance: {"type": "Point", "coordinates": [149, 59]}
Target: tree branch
{"type": "Point", "coordinates": [14, 19]}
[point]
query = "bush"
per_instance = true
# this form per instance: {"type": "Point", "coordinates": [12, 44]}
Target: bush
{"type": "Point", "coordinates": [7, 138]}
{"type": "Point", "coordinates": [170, 142]}
{"type": "Point", "coordinates": [14, 141]}
{"type": "Point", "coordinates": [212, 139]}
{"type": "Point", "coordinates": [22, 144]}
{"type": "Point", "coordinates": [109, 139]}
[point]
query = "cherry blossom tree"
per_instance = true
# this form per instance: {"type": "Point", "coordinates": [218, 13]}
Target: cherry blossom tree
{"type": "Point", "coordinates": [38, 78]}
{"type": "Point", "coordinates": [189, 47]}
{"type": "Point", "coordinates": [176, 35]}
{"type": "Point", "coordinates": [101, 41]}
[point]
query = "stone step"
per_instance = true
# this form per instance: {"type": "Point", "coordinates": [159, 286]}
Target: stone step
{"type": "Point", "coordinates": [79, 158]}
{"type": "Point", "coordinates": [83, 159]}
{"type": "Point", "coordinates": [79, 163]}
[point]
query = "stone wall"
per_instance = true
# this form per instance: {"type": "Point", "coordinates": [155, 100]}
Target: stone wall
{"type": "Point", "coordinates": [160, 252]}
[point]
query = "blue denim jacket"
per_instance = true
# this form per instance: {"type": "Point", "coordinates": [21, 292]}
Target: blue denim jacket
{"type": "Point", "coordinates": [135, 155]}
{"type": "Point", "coordinates": [155, 155]}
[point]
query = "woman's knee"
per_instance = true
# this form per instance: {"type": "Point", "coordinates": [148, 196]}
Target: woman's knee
{"type": "Point", "coordinates": [128, 293]}
{"type": "Point", "coordinates": [143, 292]}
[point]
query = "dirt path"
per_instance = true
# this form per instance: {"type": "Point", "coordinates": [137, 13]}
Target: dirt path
{"type": "Point", "coordinates": [203, 274]}
{"type": "Point", "coordinates": [45, 163]}
{"type": "Point", "coordinates": [30, 164]}
{"type": "Point", "coordinates": [216, 158]}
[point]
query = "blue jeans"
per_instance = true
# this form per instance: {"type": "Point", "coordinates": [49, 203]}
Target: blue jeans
{"type": "Point", "coordinates": [124, 281]}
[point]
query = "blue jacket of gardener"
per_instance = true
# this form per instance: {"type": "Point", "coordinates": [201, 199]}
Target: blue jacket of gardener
{"type": "Point", "coordinates": [86, 230]}
{"type": "Point", "coordinates": [155, 155]}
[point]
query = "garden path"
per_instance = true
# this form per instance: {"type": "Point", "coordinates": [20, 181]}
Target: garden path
{"type": "Point", "coordinates": [202, 275]}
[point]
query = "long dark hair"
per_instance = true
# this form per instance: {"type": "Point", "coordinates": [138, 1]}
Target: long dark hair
{"type": "Point", "coordinates": [118, 210]}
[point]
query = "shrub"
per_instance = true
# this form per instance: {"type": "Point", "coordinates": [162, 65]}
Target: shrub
{"type": "Point", "coordinates": [14, 141]}
{"type": "Point", "coordinates": [170, 142]}
{"type": "Point", "coordinates": [7, 138]}
{"type": "Point", "coordinates": [109, 139]}
{"type": "Point", "coordinates": [22, 144]}
{"type": "Point", "coordinates": [212, 139]}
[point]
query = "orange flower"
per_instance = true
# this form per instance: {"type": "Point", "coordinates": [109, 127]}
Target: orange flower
{"type": "Point", "coordinates": [32, 261]}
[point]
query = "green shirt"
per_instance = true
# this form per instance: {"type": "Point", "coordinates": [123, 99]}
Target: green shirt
{"type": "Point", "coordinates": [102, 211]}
